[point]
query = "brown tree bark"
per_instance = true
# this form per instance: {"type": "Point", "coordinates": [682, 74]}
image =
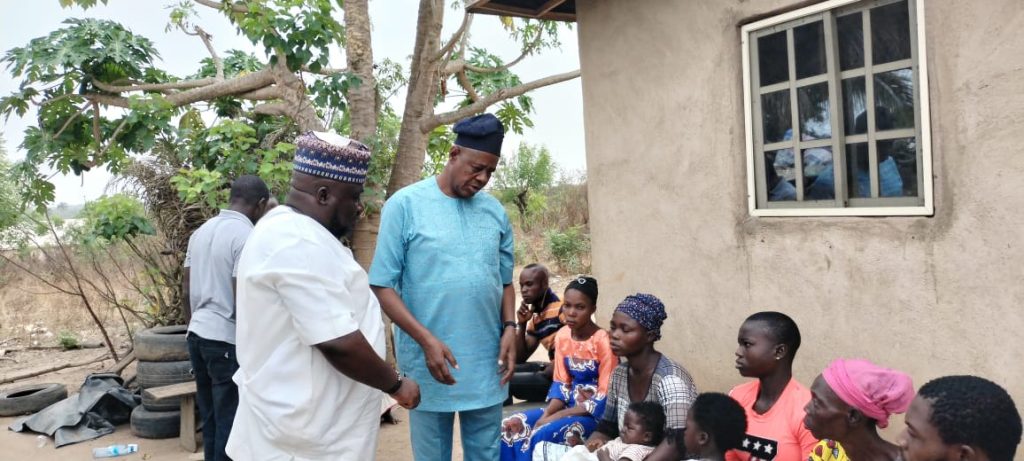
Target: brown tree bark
{"type": "Point", "coordinates": [359, 57]}
{"type": "Point", "coordinates": [419, 105]}
{"type": "Point", "coordinates": [293, 95]}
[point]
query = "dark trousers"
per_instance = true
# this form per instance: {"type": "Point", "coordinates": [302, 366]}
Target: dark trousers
{"type": "Point", "coordinates": [530, 382]}
{"type": "Point", "coordinates": [214, 363]}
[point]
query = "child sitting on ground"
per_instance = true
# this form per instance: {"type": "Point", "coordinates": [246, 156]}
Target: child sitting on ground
{"type": "Point", "coordinates": [642, 430]}
{"type": "Point", "coordinates": [714, 425]}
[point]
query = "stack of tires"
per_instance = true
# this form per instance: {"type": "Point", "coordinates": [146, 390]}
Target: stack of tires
{"type": "Point", "coordinates": [162, 355]}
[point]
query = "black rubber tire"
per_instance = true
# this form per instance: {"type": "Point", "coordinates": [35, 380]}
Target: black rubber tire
{"type": "Point", "coordinates": [25, 400]}
{"type": "Point", "coordinates": [155, 424]}
{"type": "Point", "coordinates": [156, 374]}
{"type": "Point", "coordinates": [172, 404]}
{"type": "Point", "coordinates": [162, 344]}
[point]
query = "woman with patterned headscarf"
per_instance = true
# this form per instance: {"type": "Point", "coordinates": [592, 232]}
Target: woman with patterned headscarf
{"type": "Point", "coordinates": [647, 375]}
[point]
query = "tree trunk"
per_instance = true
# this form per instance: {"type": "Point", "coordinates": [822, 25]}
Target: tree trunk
{"type": "Point", "coordinates": [423, 84]}
{"type": "Point", "coordinates": [359, 56]}
{"type": "Point", "coordinates": [521, 205]}
{"type": "Point", "coordinates": [293, 92]}
{"type": "Point", "coordinates": [362, 106]}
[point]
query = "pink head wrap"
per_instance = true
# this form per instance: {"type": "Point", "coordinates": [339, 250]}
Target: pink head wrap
{"type": "Point", "coordinates": [876, 391]}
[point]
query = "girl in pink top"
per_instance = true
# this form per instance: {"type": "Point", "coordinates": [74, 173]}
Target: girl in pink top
{"type": "Point", "coordinates": [775, 402]}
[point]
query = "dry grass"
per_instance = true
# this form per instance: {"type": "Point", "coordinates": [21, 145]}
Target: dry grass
{"type": "Point", "coordinates": [33, 313]}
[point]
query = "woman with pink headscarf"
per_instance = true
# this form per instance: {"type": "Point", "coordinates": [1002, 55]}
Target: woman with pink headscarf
{"type": "Point", "coordinates": [850, 400]}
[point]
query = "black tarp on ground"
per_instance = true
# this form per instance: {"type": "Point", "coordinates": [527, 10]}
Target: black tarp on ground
{"type": "Point", "coordinates": [101, 404]}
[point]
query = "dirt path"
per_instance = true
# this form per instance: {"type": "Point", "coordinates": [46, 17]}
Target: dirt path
{"type": "Point", "coordinates": [393, 445]}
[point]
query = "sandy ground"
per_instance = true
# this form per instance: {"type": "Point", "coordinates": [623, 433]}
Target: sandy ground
{"type": "Point", "coordinates": [393, 445]}
{"type": "Point", "coordinates": [393, 440]}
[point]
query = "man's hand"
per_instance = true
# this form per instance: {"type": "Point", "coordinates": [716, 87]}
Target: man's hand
{"type": "Point", "coordinates": [507, 355]}
{"type": "Point", "coordinates": [524, 313]}
{"type": "Point", "coordinates": [408, 395]}
{"type": "Point", "coordinates": [438, 357]}
{"type": "Point", "coordinates": [596, 440]}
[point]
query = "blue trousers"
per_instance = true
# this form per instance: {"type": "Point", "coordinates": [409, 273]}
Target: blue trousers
{"type": "Point", "coordinates": [214, 363]}
{"type": "Point", "coordinates": [431, 434]}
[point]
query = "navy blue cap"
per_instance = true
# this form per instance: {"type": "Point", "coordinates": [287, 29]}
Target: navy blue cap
{"type": "Point", "coordinates": [482, 132]}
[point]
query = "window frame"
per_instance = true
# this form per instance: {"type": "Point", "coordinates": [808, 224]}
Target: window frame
{"type": "Point", "coordinates": [841, 206]}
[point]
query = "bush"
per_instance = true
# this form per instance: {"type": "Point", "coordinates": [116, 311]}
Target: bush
{"type": "Point", "coordinates": [68, 340]}
{"type": "Point", "coordinates": [569, 247]}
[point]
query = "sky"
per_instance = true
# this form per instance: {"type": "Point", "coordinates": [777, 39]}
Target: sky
{"type": "Point", "coordinates": [558, 117]}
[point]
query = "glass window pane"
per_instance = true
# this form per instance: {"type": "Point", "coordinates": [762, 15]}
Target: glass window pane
{"type": "Point", "coordinates": [855, 116]}
{"type": "Point", "coordinates": [780, 175]}
{"type": "Point", "coordinates": [858, 175]}
{"type": "Point", "coordinates": [819, 174]}
{"type": "Point", "coordinates": [894, 100]}
{"type": "Point", "coordinates": [772, 58]}
{"type": "Point", "coordinates": [776, 118]}
{"type": "Point", "coordinates": [897, 167]}
{"type": "Point", "coordinates": [851, 41]}
{"type": "Point", "coordinates": [890, 33]}
{"type": "Point", "coordinates": [809, 49]}
{"type": "Point", "coordinates": [815, 121]}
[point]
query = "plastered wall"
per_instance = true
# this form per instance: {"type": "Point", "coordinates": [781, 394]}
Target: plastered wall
{"type": "Point", "coordinates": [663, 110]}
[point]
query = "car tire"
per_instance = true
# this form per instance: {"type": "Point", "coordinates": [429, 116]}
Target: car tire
{"type": "Point", "coordinates": [162, 344]}
{"type": "Point", "coordinates": [24, 400]}
{"type": "Point", "coordinates": [171, 404]}
{"type": "Point", "coordinates": [156, 374]}
{"type": "Point", "coordinates": [155, 424]}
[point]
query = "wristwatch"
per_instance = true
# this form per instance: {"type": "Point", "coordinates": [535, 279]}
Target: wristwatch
{"type": "Point", "coordinates": [396, 387]}
{"type": "Point", "coordinates": [509, 323]}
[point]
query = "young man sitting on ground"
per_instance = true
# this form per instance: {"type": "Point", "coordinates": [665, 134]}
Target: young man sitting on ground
{"type": "Point", "coordinates": [539, 317]}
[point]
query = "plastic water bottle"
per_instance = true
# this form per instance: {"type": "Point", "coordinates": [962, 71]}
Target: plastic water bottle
{"type": "Point", "coordinates": [41, 441]}
{"type": "Point", "coordinates": [114, 450]}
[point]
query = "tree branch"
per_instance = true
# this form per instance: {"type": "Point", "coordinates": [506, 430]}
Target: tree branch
{"type": "Point", "coordinates": [235, 7]}
{"type": "Point", "coordinates": [526, 52]}
{"type": "Point", "coordinates": [505, 93]}
{"type": "Point", "coordinates": [467, 85]}
{"type": "Point", "coordinates": [218, 63]}
{"type": "Point", "coordinates": [182, 85]}
{"type": "Point", "coordinates": [263, 94]}
{"type": "Point", "coordinates": [113, 137]}
{"type": "Point", "coordinates": [326, 71]}
{"type": "Point", "coordinates": [456, 37]}
{"type": "Point", "coordinates": [95, 128]}
{"type": "Point", "coordinates": [71, 119]}
{"type": "Point", "coordinates": [241, 84]}
{"type": "Point", "coordinates": [106, 99]}
{"type": "Point", "coordinates": [271, 108]}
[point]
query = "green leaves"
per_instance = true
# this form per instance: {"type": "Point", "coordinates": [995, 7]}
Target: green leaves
{"type": "Point", "coordinates": [236, 62]}
{"type": "Point", "coordinates": [303, 29]}
{"type": "Point", "coordinates": [226, 151]}
{"type": "Point", "coordinates": [116, 217]}
{"type": "Point", "coordinates": [201, 186]}
{"type": "Point", "coordinates": [514, 114]}
{"type": "Point", "coordinates": [96, 48]}
{"type": "Point", "coordinates": [329, 92]}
